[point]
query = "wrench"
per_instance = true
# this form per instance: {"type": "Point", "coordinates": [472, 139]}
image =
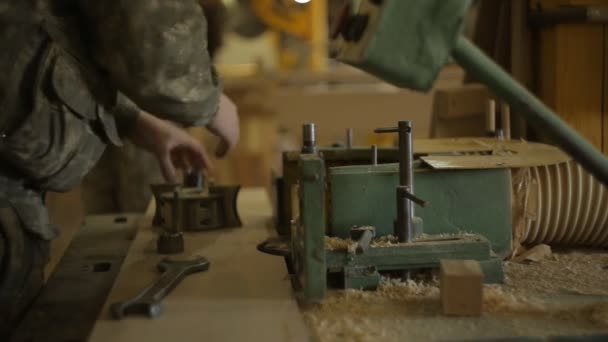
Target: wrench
{"type": "Point", "coordinates": [148, 302]}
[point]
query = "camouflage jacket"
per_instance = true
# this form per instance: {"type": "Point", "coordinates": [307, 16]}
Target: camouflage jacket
{"type": "Point", "coordinates": [73, 75]}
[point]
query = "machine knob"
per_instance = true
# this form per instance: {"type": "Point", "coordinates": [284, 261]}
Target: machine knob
{"type": "Point", "coordinates": [170, 243]}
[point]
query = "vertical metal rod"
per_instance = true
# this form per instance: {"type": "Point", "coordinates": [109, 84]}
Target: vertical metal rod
{"type": "Point", "coordinates": [404, 226]}
{"type": "Point", "coordinates": [194, 179]}
{"type": "Point", "coordinates": [533, 110]}
{"type": "Point", "coordinates": [349, 138]}
{"type": "Point", "coordinates": [309, 138]}
{"type": "Point", "coordinates": [374, 155]}
{"type": "Point", "coordinates": [406, 154]}
{"type": "Point", "coordinates": [406, 180]}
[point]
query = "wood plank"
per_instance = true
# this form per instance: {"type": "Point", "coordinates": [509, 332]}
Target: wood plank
{"type": "Point", "coordinates": [245, 296]}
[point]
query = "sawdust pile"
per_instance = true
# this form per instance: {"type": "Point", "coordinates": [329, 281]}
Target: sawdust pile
{"type": "Point", "coordinates": [498, 300]}
{"type": "Point", "coordinates": [353, 315]}
{"type": "Point", "coordinates": [562, 293]}
{"type": "Point", "coordinates": [339, 244]}
{"type": "Point", "coordinates": [575, 272]}
{"type": "Point", "coordinates": [385, 241]}
{"type": "Point", "coordinates": [386, 313]}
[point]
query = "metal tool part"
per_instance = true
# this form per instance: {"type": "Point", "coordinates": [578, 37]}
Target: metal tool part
{"type": "Point", "coordinates": [157, 191]}
{"type": "Point", "coordinates": [404, 225]}
{"type": "Point", "coordinates": [309, 138]}
{"type": "Point", "coordinates": [194, 179]}
{"type": "Point", "coordinates": [148, 302]}
{"type": "Point", "coordinates": [374, 154]}
{"type": "Point", "coordinates": [349, 138]}
{"type": "Point", "coordinates": [363, 237]}
{"type": "Point", "coordinates": [170, 243]}
{"type": "Point", "coordinates": [195, 209]}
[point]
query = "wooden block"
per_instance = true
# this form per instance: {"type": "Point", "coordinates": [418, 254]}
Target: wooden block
{"type": "Point", "coordinates": [461, 102]}
{"type": "Point", "coordinates": [461, 284]}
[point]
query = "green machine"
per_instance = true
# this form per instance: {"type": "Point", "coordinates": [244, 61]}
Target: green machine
{"type": "Point", "coordinates": [364, 199]}
{"type": "Point", "coordinates": [330, 194]}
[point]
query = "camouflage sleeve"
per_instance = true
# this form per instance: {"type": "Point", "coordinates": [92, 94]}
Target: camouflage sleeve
{"type": "Point", "coordinates": [125, 113]}
{"type": "Point", "coordinates": [155, 52]}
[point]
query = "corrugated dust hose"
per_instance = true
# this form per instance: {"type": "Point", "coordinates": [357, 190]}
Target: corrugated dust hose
{"type": "Point", "coordinates": [559, 204]}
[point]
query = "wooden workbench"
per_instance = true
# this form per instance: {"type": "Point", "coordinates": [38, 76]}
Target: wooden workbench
{"type": "Point", "coordinates": [245, 295]}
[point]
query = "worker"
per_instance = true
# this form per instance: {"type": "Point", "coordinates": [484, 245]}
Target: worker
{"type": "Point", "coordinates": [120, 181]}
{"type": "Point", "coordinates": [75, 76]}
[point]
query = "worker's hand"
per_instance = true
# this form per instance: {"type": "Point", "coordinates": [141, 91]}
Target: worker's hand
{"type": "Point", "coordinates": [172, 146]}
{"type": "Point", "coordinates": [225, 125]}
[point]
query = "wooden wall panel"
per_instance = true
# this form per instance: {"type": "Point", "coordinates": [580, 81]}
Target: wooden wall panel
{"type": "Point", "coordinates": [571, 80]}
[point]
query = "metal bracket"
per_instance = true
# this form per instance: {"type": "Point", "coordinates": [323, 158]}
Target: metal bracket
{"type": "Point", "coordinates": [196, 208]}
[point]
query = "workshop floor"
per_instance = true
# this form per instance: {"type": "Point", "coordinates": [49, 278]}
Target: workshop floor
{"type": "Point", "coordinates": [565, 294]}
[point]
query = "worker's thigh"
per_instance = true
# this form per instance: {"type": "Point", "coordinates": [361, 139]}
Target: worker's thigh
{"type": "Point", "coordinates": [23, 257]}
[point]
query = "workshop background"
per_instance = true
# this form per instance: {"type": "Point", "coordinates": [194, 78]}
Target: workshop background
{"type": "Point", "coordinates": [275, 65]}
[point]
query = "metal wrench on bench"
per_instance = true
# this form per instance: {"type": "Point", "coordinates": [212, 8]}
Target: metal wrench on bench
{"type": "Point", "coordinates": [148, 302]}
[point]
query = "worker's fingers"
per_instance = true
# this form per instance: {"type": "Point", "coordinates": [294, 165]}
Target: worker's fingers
{"type": "Point", "coordinates": [167, 168]}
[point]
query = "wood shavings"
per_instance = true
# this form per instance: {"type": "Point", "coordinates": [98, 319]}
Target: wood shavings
{"type": "Point", "coordinates": [385, 241]}
{"type": "Point", "coordinates": [411, 311]}
{"type": "Point", "coordinates": [574, 272]}
{"type": "Point", "coordinates": [534, 254]}
{"type": "Point", "coordinates": [338, 244]}
{"type": "Point", "coordinates": [498, 300]}
{"type": "Point", "coordinates": [400, 311]}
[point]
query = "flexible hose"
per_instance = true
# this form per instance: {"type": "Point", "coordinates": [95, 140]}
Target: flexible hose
{"type": "Point", "coordinates": [560, 204]}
